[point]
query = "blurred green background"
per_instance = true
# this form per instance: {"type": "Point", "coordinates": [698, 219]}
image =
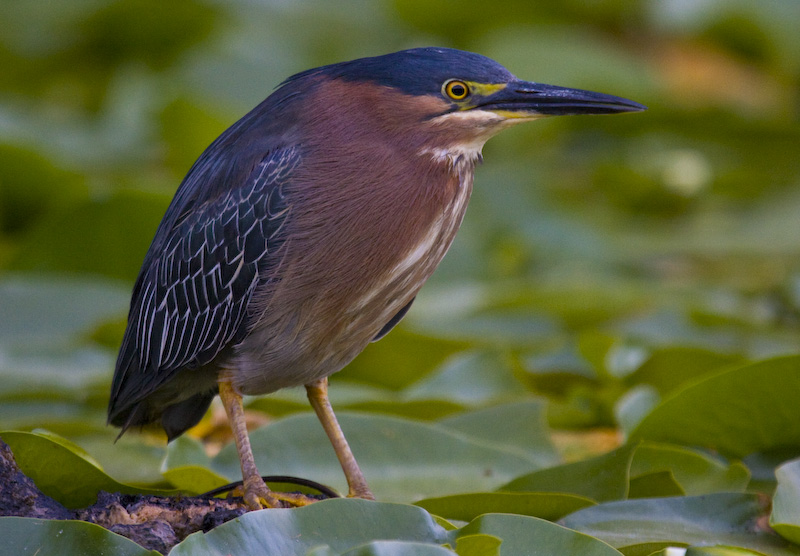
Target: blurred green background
{"type": "Point", "coordinates": [591, 243]}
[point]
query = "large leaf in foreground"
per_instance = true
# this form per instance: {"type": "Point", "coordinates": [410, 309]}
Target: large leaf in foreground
{"type": "Point", "coordinates": [344, 524]}
{"type": "Point", "coordinates": [340, 523]}
{"type": "Point", "coordinates": [644, 525]}
{"type": "Point", "coordinates": [333, 527]}
{"type": "Point", "coordinates": [737, 412]}
{"type": "Point", "coordinates": [403, 460]}
{"type": "Point", "coordinates": [45, 537]}
{"type": "Point", "coordinates": [62, 470]}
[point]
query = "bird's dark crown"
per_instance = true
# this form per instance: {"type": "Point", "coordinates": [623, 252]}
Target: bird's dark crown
{"type": "Point", "coordinates": [418, 71]}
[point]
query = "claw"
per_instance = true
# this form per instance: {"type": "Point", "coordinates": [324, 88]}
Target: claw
{"type": "Point", "coordinates": [258, 496]}
{"type": "Point", "coordinates": [295, 499]}
{"type": "Point", "coordinates": [364, 493]}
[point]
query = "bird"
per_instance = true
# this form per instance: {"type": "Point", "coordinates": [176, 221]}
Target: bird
{"type": "Point", "coordinates": [305, 231]}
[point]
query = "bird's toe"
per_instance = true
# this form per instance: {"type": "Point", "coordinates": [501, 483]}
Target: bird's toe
{"type": "Point", "coordinates": [257, 495]}
{"type": "Point", "coordinates": [295, 499]}
{"type": "Point", "coordinates": [364, 493]}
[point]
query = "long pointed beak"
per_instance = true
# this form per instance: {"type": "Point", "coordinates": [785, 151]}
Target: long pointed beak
{"type": "Point", "coordinates": [525, 98]}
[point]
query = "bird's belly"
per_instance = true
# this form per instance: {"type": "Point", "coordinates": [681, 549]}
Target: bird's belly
{"type": "Point", "coordinates": [292, 346]}
{"type": "Point", "coordinates": [269, 360]}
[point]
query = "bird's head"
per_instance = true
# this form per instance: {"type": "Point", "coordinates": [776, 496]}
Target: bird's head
{"type": "Point", "coordinates": [450, 101]}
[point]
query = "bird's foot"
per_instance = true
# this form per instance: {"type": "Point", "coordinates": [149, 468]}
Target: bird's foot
{"type": "Point", "coordinates": [257, 494]}
{"type": "Point", "coordinates": [362, 492]}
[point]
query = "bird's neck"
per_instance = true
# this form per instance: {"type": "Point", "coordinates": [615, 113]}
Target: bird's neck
{"type": "Point", "coordinates": [460, 157]}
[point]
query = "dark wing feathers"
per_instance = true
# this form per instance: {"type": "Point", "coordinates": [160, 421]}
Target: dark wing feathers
{"type": "Point", "coordinates": [398, 316]}
{"type": "Point", "coordinates": [191, 297]}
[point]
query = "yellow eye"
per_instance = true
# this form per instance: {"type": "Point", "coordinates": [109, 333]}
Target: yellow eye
{"type": "Point", "coordinates": [457, 90]}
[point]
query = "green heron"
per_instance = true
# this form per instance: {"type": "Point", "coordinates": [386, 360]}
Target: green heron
{"type": "Point", "coordinates": [304, 232]}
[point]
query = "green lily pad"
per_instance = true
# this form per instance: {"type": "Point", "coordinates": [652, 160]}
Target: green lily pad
{"type": "Point", "coordinates": [55, 372]}
{"type": "Point", "coordinates": [403, 460]}
{"type": "Point", "coordinates": [645, 525]}
{"type": "Point", "coordinates": [519, 533]}
{"type": "Point", "coordinates": [400, 358]}
{"type": "Point", "coordinates": [341, 524]}
{"type": "Point", "coordinates": [465, 507]}
{"type": "Point", "coordinates": [427, 410]}
{"type": "Point", "coordinates": [520, 426]}
{"type": "Point", "coordinates": [185, 451]}
{"type": "Point", "coordinates": [720, 550]}
{"type": "Point", "coordinates": [785, 517]}
{"type": "Point", "coordinates": [194, 479]}
{"type": "Point", "coordinates": [634, 405]}
{"type": "Point", "coordinates": [478, 545]}
{"type": "Point", "coordinates": [668, 368]}
{"type": "Point", "coordinates": [345, 395]}
{"type": "Point", "coordinates": [397, 548]}
{"type": "Point", "coordinates": [658, 483]}
{"type": "Point", "coordinates": [694, 471]}
{"type": "Point", "coordinates": [604, 477]}
{"type": "Point", "coordinates": [126, 218]}
{"type": "Point", "coordinates": [46, 537]}
{"type": "Point", "coordinates": [468, 378]}
{"type": "Point", "coordinates": [337, 526]}
{"type": "Point", "coordinates": [53, 310]}
{"type": "Point", "coordinates": [736, 412]}
{"type": "Point", "coordinates": [63, 471]}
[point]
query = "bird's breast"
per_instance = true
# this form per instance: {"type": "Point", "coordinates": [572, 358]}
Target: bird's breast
{"type": "Point", "coordinates": [362, 239]}
{"type": "Point", "coordinates": [415, 262]}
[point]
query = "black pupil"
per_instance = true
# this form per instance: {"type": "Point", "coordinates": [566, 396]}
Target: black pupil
{"type": "Point", "coordinates": [458, 90]}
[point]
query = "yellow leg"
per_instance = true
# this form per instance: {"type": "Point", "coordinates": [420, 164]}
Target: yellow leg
{"type": "Point", "coordinates": [257, 494]}
{"type": "Point", "coordinates": [318, 396]}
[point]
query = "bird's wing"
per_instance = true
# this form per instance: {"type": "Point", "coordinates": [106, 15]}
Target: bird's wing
{"type": "Point", "coordinates": [398, 316]}
{"type": "Point", "coordinates": [191, 297]}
